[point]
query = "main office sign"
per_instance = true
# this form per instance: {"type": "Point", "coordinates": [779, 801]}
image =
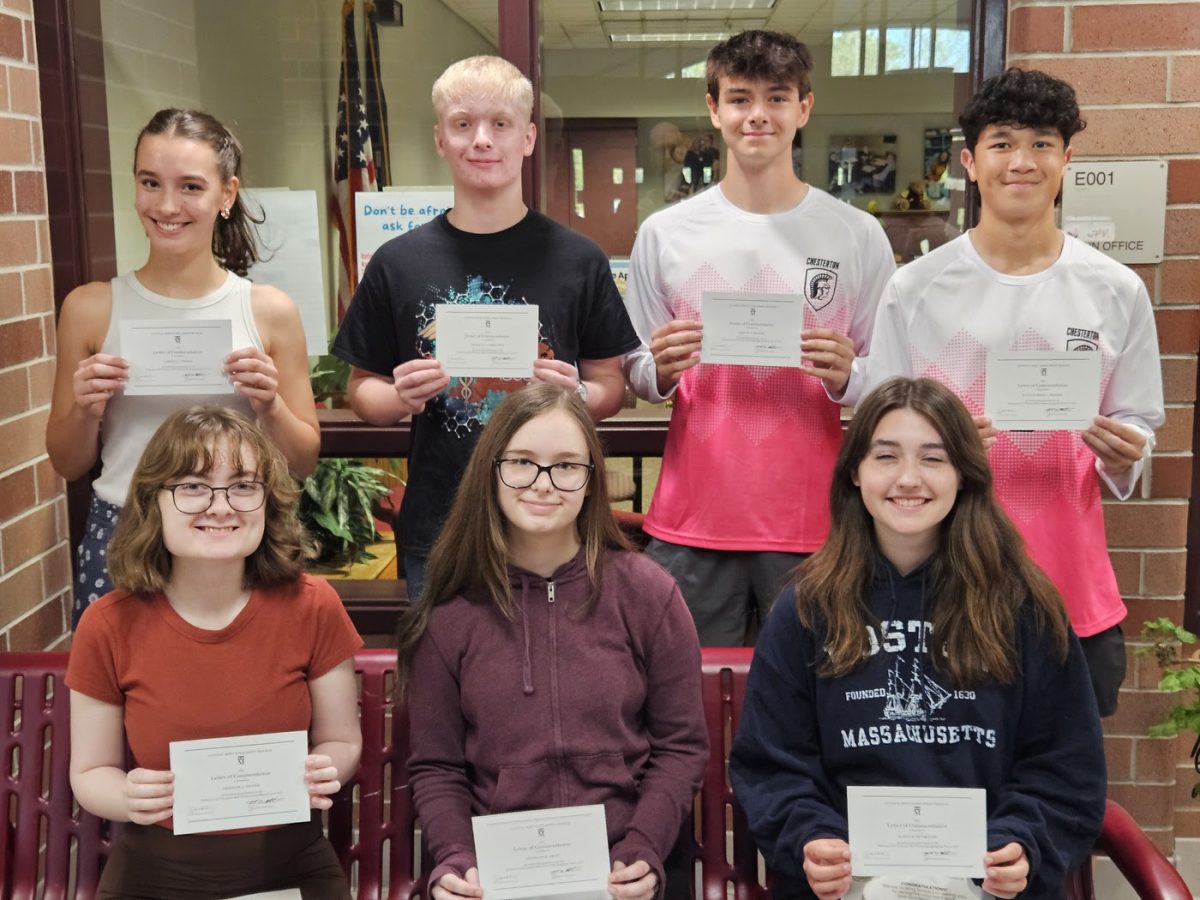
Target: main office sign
{"type": "Point", "coordinates": [1117, 206]}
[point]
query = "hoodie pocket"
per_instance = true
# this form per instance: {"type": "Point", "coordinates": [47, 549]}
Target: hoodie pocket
{"type": "Point", "coordinates": [602, 778]}
{"type": "Point", "coordinates": [524, 787]}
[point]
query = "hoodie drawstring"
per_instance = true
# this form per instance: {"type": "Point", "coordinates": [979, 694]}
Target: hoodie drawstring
{"type": "Point", "coordinates": [526, 663]}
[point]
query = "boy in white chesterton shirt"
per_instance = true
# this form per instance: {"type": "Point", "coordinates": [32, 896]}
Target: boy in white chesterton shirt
{"type": "Point", "coordinates": [744, 488]}
{"type": "Point", "coordinates": [1016, 282]}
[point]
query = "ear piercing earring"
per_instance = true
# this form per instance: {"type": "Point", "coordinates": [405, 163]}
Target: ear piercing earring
{"type": "Point", "coordinates": [225, 212]}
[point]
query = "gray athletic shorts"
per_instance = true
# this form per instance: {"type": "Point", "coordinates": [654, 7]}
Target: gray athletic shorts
{"type": "Point", "coordinates": [729, 592]}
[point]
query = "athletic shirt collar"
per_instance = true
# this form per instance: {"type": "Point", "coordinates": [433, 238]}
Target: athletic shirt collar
{"type": "Point", "coordinates": [1051, 271]}
{"type": "Point", "coordinates": [719, 197]}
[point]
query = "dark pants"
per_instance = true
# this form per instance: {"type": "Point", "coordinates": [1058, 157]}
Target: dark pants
{"type": "Point", "coordinates": [414, 574]}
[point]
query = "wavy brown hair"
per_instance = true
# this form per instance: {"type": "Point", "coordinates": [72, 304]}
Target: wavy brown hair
{"type": "Point", "coordinates": [980, 576]}
{"type": "Point", "coordinates": [186, 444]}
{"type": "Point", "coordinates": [471, 553]}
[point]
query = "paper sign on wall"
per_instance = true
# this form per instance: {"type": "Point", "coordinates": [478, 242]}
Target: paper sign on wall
{"type": "Point", "coordinates": [290, 240]}
{"type": "Point", "coordinates": [381, 216]}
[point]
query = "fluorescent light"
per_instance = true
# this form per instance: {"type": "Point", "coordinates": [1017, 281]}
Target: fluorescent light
{"type": "Point", "coordinates": [671, 37]}
{"type": "Point", "coordinates": [681, 5]}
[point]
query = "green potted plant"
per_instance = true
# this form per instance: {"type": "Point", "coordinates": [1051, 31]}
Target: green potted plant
{"type": "Point", "coordinates": [340, 496]}
{"type": "Point", "coordinates": [1180, 675]}
{"type": "Point", "coordinates": [338, 508]}
{"type": "Point", "coordinates": [329, 376]}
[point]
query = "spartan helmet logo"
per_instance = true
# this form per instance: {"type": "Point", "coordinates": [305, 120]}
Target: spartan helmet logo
{"type": "Point", "coordinates": [819, 287]}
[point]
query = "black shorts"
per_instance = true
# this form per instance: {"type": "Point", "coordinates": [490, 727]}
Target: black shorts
{"type": "Point", "coordinates": [1105, 655]}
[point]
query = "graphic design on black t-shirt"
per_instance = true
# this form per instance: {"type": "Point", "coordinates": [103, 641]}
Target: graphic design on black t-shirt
{"type": "Point", "coordinates": [467, 404]}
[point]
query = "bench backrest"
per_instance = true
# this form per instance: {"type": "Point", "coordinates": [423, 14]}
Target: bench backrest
{"type": "Point", "coordinates": [50, 842]}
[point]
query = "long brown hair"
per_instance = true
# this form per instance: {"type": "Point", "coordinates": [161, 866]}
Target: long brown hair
{"type": "Point", "coordinates": [472, 553]}
{"type": "Point", "coordinates": [186, 444]}
{"type": "Point", "coordinates": [233, 243]}
{"type": "Point", "coordinates": [979, 577]}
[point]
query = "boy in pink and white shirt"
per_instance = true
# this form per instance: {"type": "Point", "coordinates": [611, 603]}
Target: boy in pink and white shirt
{"type": "Point", "coordinates": [1016, 282]}
{"type": "Point", "coordinates": [744, 488]}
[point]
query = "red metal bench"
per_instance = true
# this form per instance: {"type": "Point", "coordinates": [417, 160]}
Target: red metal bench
{"type": "Point", "coordinates": [52, 849]}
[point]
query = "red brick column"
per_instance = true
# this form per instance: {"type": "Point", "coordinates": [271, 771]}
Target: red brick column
{"type": "Point", "coordinates": [1140, 91]}
{"type": "Point", "coordinates": [35, 569]}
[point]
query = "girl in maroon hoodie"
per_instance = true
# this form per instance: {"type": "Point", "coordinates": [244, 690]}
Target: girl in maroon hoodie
{"type": "Point", "coordinates": [546, 664]}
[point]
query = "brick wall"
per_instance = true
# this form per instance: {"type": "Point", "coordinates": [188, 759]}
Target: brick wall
{"type": "Point", "coordinates": [35, 570]}
{"type": "Point", "coordinates": [1136, 68]}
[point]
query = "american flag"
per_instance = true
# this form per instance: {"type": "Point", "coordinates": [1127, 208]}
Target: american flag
{"type": "Point", "coordinates": [354, 160]}
{"type": "Point", "coordinates": [377, 117]}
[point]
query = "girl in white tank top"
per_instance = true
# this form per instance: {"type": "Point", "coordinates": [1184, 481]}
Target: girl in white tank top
{"type": "Point", "coordinates": [187, 168]}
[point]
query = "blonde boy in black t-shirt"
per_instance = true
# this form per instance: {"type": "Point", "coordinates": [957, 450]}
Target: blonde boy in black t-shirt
{"type": "Point", "coordinates": [489, 248]}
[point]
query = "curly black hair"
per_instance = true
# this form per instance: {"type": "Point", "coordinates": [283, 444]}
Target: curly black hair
{"type": "Point", "coordinates": [760, 56]}
{"type": "Point", "coordinates": [1025, 98]}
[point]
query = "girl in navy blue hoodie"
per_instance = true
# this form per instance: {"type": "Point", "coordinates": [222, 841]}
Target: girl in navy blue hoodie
{"type": "Point", "coordinates": [919, 646]}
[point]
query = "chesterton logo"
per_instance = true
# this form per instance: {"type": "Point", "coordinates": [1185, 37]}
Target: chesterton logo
{"type": "Point", "coordinates": [820, 286]}
{"type": "Point", "coordinates": [1082, 339]}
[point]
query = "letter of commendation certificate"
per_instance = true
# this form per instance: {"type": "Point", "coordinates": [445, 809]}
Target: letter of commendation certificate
{"type": "Point", "coordinates": [240, 782]}
{"type": "Point", "coordinates": [169, 356]}
{"type": "Point", "coordinates": [543, 854]}
{"type": "Point", "coordinates": [1042, 391]}
{"type": "Point", "coordinates": [487, 340]}
{"type": "Point", "coordinates": [917, 832]}
{"type": "Point", "coordinates": [744, 329]}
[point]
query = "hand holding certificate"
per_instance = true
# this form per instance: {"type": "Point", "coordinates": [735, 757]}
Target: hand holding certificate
{"type": "Point", "coordinates": [487, 340]}
{"type": "Point", "coordinates": [547, 853]}
{"type": "Point", "coordinates": [240, 782]}
{"type": "Point", "coordinates": [917, 832]}
{"type": "Point", "coordinates": [744, 329]}
{"type": "Point", "coordinates": [1042, 391]}
{"type": "Point", "coordinates": [168, 356]}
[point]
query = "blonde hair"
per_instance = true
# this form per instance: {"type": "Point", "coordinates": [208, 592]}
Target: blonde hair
{"type": "Point", "coordinates": [186, 444]}
{"type": "Point", "coordinates": [484, 76]}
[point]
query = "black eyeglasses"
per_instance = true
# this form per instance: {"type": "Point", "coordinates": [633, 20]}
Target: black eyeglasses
{"type": "Point", "coordinates": [565, 476]}
{"type": "Point", "coordinates": [193, 497]}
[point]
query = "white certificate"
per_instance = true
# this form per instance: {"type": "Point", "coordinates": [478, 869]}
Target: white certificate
{"type": "Point", "coordinates": [487, 340]}
{"type": "Point", "coordinates": [543, 854]}
{"type": "Point", "coordinates": [168, 356]}
{"type": "Point", "coordinates": [240, 782]}
{"type": "Point", "coordinates": [1042, 391]}
{"type": "Point", "coordinates": [917, 833]}
{"type": "Point", "coordinates": [742, 329]}
{"type": "Point", "coordinates": [914, 889]}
